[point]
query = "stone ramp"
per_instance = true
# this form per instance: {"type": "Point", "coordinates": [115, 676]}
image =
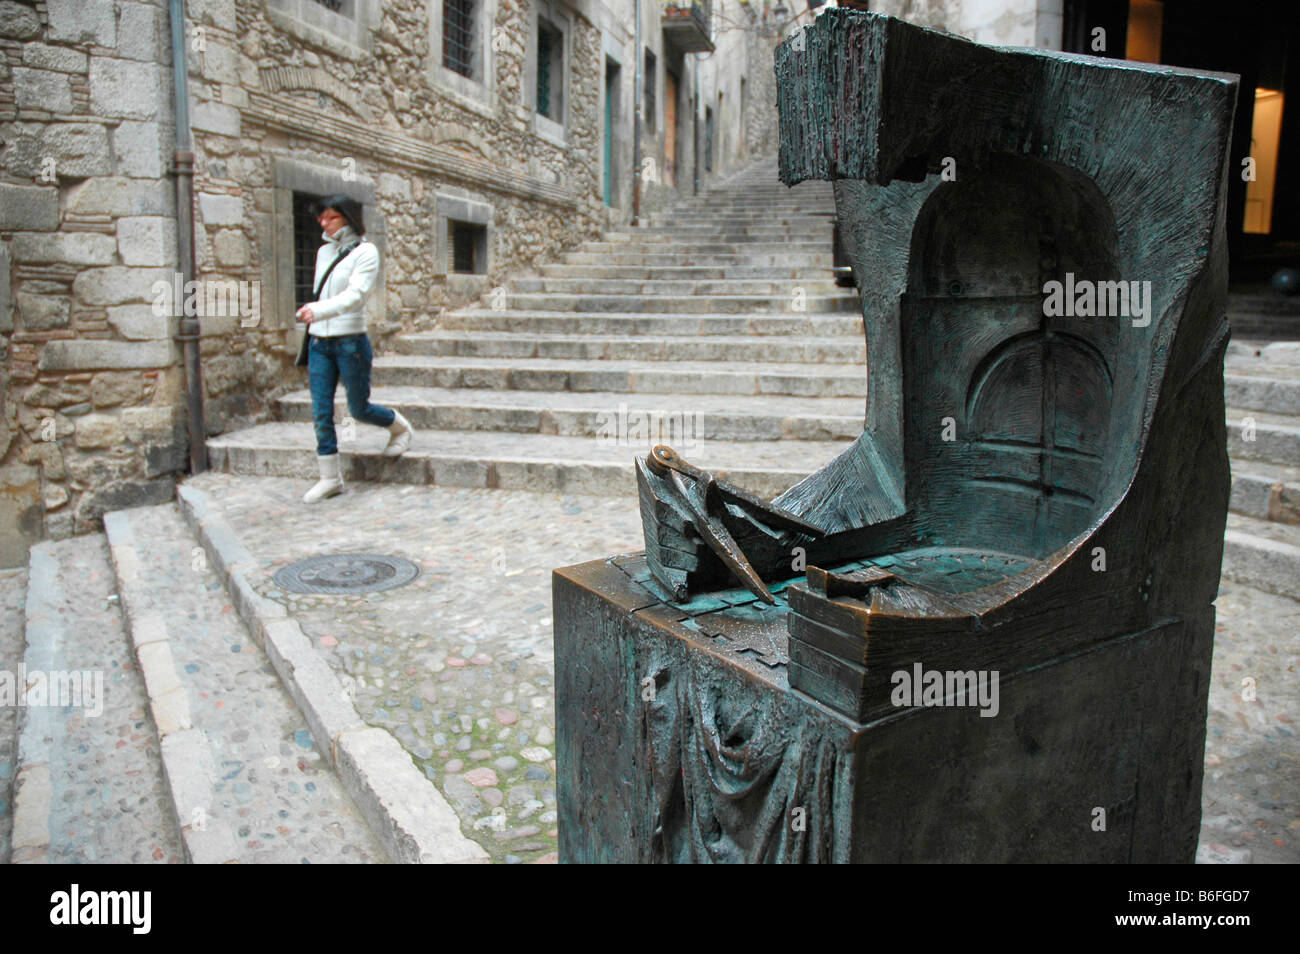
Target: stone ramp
{"type": "Point", "coordinates": [247, 781]}
{"type": "Point", "coordinates": [89, 786]}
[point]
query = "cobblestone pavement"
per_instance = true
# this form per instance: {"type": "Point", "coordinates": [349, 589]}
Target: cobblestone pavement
{"type": "Point", "coordinates": [1250, 806]}
{"type": "Point", "coordinates": [459, 666]}
{"type": "Point", "coordinates": [13, 589]}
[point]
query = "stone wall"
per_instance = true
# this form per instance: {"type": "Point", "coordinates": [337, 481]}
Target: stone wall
{"type": "Point", "coordinates": [87, 222]}
{"type": "Point", "coordinates": [285, 96]}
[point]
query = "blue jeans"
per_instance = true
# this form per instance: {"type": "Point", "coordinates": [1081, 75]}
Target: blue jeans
{"type": "Point", "coordinates": [347, 357]}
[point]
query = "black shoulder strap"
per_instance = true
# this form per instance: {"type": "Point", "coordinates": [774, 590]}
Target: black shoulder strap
{"type": "Point", "coordinates": [315, 296]}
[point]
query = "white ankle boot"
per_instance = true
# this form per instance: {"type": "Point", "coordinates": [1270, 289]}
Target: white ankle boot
{"type": "Point", "coordinates": [330, 483]}
{"type": "Point", "coordinates": [399, 436]}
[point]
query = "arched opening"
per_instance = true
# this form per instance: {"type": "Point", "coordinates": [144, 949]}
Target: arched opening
{"type": "Point", "coordinates": [1008, 406]}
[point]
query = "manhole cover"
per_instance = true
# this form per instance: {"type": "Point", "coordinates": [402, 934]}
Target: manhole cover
{"type": "Point", "coordinates": [346, 573]}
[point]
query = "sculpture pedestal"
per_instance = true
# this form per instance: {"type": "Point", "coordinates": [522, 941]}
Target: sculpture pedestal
{"type": "Point", "coordinates": [679, 739]}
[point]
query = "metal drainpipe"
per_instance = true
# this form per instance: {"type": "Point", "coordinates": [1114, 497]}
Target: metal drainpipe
{"type": "Point", "coordinates": [183, 168]}
{"type": "Point", "coordinates": [637, 81]}
{"type": "Point", "coordinates": [695, 126]}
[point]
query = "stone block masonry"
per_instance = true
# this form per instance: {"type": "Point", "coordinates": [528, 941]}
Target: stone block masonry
{"type": "Point", "coordinates": [87, 223]}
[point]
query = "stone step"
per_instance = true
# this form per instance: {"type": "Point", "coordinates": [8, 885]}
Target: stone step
{"type": "Point", "coordinates": [714, 233]}
{"type": "Point", "coordinates": [693, 273]}
{"type": "Point", "coordinates": [1263, 392]}
{"type": "Point", "coordinates": [536, 462]}
{"type": "Point", "coordinates": [845, 349]}
{"type": "Point", "coordinates": [680, 377]}
{"type": "Point", "coordinates": [567, 323]}
{"type": "Point", "coordinates": [606, 416]}
{"type": "Point", "coordinates": [796, 299]}
{"type": "Point", "coordinates": [89, 784]}
{"type": "Point", "coordinates": [1263, 554]}
{"type": "Point", "coordinates": [703, 247]}
{"type": "Point", "coordinates": [643, 259]}
{"type": "Point", "coordinates": [1259, 435]}
{"type": "Point", "coordinates": [641, 273]}
{"type": "Point", "coordinates": [724, 219]}
{"type": "Point", "coordinates": [248, 783]}
{"type": "Point", "coordinates": [1266, 491]}
{"type": "Point", "coordinates": [672, 289]}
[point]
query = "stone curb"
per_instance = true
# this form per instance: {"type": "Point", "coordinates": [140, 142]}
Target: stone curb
{"type": "Point", "coordinates": [186, 755]}
{"type": "Point", "coordinates": [405, 810]}
{"type": "Point", "coordinates": [30, 840]}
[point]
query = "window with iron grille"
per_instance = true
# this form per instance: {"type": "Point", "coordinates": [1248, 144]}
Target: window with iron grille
{"type": "Point", "coordinates": [306, 242]}
{"type": "Point", "coordinates": [468, 248]}
{"type": "Point", "coordinates": [550, 70]}
{"type": "Point", "coordinates": [458, 35]}
{"type": "Point", "coordinates": [335, 5]}
{"type": "Point", "coordinates": [648, 80]}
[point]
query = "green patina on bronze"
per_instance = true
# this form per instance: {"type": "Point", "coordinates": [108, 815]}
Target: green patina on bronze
{"type": "Point", "coordinates": [1040, 491]}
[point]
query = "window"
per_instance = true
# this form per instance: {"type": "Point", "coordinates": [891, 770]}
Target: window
{"type": "Point", "coordinates": [461, 62]}
{"type": "Point", "coordinates": [550, 71]}
{"type": "Point", "coordinates": [648, 79]}
{"type": "Point", "coordinates": [468, 248]}
{"type": "Point", "coordinates": [458, 36]}
{"type": "Point", "coordinates": [306, 241]}
{"type": "Point", "coordinates": [339, 28]}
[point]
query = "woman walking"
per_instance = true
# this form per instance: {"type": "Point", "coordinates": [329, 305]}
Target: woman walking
{"type": "Point", "coordinates": [339, 348]}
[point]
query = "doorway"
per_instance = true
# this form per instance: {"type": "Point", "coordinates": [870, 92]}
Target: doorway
{"type": "Point", "coordinates": [670, 128]}
{"type": "Point", "coordinates": [607, 153]}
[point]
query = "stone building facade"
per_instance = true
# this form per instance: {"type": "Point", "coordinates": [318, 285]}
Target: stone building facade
{"type": "Point", "coordinates": [484, 137]}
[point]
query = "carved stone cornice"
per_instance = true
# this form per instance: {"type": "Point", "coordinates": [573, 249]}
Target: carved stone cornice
{"type": "Point", "coordinates": [274, 113]}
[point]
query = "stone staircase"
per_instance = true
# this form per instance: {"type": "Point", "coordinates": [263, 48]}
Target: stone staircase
{"type": "Point", "coordinates": [1262, 391]}
{"type": "Point", "coordinates": [716, 328]}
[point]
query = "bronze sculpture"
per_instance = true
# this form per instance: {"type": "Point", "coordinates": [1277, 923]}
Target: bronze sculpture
{"type": "Point", "coordinates": [1039, 495]}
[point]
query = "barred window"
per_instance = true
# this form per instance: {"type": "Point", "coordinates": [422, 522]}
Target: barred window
{"type": "Point", "coordinates": [550, 70]}
{"type": "Point", "coordinates": [458, 36]}
{"type": "Point", "coordinates": [335, 5]}
{"type": "Point", "coordinates": [468, 248]}
{"type": "Point", "coordinates": [306, 242]}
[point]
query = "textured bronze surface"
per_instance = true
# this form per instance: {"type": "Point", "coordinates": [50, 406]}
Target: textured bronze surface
{"type": "Point", "coordinates": [1039, 492]}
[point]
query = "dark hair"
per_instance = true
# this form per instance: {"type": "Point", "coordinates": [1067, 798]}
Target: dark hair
{"type": "Point", "coordinates": [345, 206]}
